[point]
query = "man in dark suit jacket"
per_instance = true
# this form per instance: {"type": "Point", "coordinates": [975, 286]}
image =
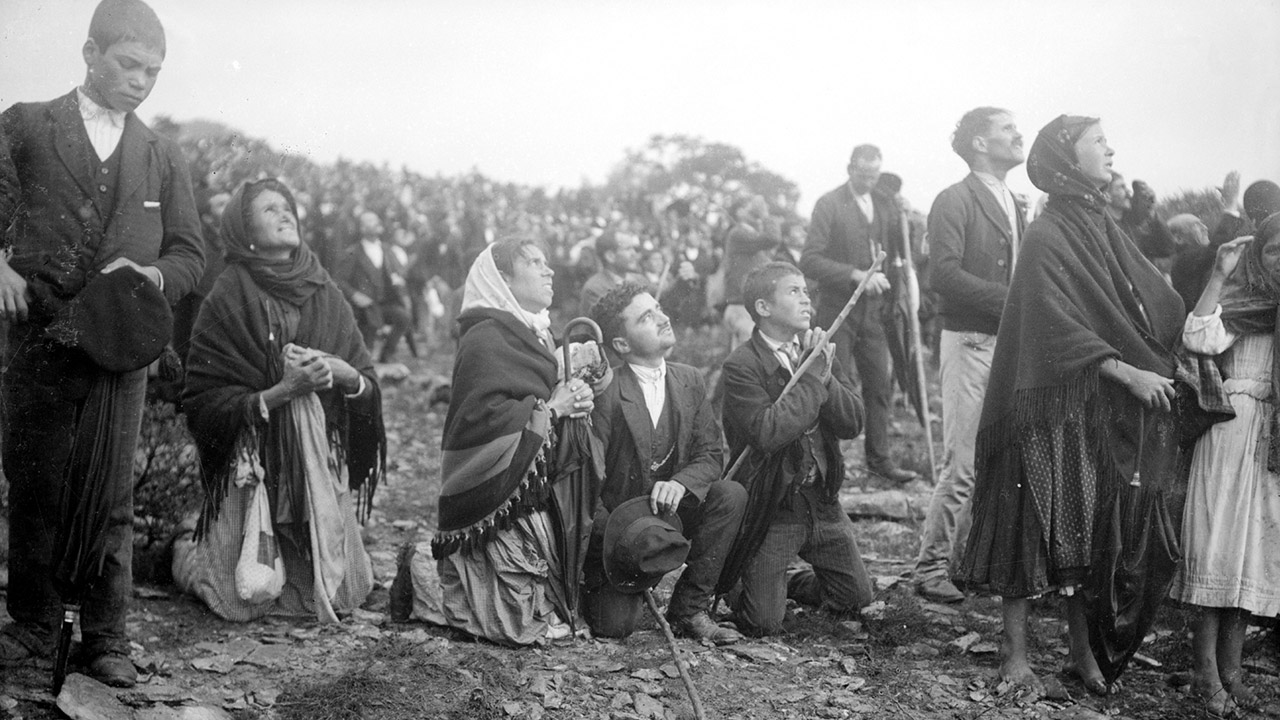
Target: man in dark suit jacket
{"type": "Point", "coordinates": [974, 230]}
{"type": "Point", "coordinates": [801, 432]}
{"type": "Point", "coordinates": [371, 276]}
{"type": "Point", "coordinates": [660, 440]}
{"type": "Point", "coordinates": [90, 190]}
{"type": "Point", "coordinates": [849, 226]}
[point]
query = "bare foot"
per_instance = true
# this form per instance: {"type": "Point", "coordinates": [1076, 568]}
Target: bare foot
{"type": "Point", "coordinates": [1244, 695]}
{"type": "Point", "coordinates": [1083, 666]}
{"type": "Point", "coordinates": [1019, 674]}
{"type": "Point", "coordinates": [1218, 703]}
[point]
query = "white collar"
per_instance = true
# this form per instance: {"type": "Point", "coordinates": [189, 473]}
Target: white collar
{"type": "Point", "coordinates": [91, 111]}
{"type": "Point", "coordinates": [651, 375]}
{"type": "Point", "coordinates": [990, 180]}
{"type": "Point", "coordinates": [775, 345]}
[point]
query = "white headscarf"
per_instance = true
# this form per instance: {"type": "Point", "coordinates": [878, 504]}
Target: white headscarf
{"type": "Point", "coordinates": [485, 288]}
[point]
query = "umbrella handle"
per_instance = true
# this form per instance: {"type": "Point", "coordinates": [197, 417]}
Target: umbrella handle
{"type": "Point", "coordinates": [63, 654]}
{"type": "Point", "coordinates": [595, 330]}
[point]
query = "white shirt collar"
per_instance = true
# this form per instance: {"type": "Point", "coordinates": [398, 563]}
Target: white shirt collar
{"type": "Point", "coordinates": [651, 375]}
{"type": "Point", "coordinates": [92, 112]}
{"type": "Point", "coordinates": [652, 388]}
{"type": "Point", "coordinates": [779, 348]}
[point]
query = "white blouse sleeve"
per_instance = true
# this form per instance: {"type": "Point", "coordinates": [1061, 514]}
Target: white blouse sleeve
{"type": "Point", "coordinates": [1206, 334]}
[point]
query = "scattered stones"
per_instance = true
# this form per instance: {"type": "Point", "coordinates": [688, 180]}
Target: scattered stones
{"type": "Point", "coordinates": [649, 708]}
{"type": "Point", "coordinates": [966, 641]}
{"type": "Point", "coordinates": [83, 698]}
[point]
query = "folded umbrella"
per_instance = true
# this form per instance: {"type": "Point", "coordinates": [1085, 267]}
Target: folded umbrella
{"type": "Point", "coordinates": [576, 473]}
{"type": "Point", "coordinates": [1137, 551]}
{"type": "Point", "coordinates": [85, 504]}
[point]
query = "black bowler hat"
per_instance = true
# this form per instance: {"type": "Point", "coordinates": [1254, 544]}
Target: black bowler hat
{"type": "Point", "coordinates": [120, 320]}
{"type": "Point", "coordinates": [640, 547]}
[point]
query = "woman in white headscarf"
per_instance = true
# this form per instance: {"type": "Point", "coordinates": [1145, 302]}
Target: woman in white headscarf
{"type": "Point", "coordinates": [494, 536]}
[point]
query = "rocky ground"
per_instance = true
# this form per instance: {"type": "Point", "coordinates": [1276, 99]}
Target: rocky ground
{"type": "Point", "coordinates": [904, 658]}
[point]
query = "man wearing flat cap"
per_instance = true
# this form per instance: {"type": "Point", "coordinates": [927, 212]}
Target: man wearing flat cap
{"type": "Point", "coordinates": [86, 191]}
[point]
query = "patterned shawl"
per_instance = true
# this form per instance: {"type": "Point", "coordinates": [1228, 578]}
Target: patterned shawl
{"type": "Point", "coordinates": [498, 428]}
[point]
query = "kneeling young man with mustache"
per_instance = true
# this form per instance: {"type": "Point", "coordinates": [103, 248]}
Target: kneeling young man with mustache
{"type": "Point", "coordinates": [660, 441]}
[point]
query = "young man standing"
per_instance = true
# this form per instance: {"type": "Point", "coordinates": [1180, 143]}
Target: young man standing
{"type": "Point", "coordinates": [800, 433]}
{"type": "Point", "coordinates": [91, 190]}
{"type": "Point", "coordinates": [974, 229]}
{"type": "Point", "coordinates": [660, 441]}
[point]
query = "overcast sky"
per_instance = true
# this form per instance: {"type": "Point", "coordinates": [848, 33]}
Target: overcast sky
{"type": "Point", "coordinates": [555, 91]}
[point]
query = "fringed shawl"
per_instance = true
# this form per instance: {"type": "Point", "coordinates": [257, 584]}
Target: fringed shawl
{"type": "Point", "coordinates": [235, 355]}
{"type": "Point", "coordinates": [1054, 442]}
{"type": "Point", "coordinates": [497, 430]}
{"type": "Point", "coordinates": [1081, 293]}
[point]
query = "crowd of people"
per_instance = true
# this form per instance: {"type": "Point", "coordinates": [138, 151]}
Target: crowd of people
{"type": "Point", "coordinates": [1136, 356]}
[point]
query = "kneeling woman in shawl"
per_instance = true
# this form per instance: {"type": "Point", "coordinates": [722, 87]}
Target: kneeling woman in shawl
{"type": "Point", "coordinates": [494, 541]}
{"type": "Point", "coordinates": [287, 416]}
{"type": "Point", "coordinates": [1085, 342]}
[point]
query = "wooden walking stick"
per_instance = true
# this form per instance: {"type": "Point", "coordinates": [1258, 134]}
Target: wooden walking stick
{"type": "Point", "coordinates": [913, 305]}
{"type": "Point", "coordinates": [816, 353]}
{"type": "Point", "coordinates": [681, 665]}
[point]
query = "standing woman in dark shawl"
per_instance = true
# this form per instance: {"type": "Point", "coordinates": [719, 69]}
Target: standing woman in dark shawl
{"type": "Point", "coordinates": [281, 397]}
{"type": "Point", "coordinates": [1231, 527]}
{"type": "Point", "coordinates": [495, 537]}
{"type": "Point", "coordinates": [1085, 344]}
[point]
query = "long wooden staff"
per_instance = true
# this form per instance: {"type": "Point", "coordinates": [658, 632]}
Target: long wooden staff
{"type": "Point", "coordinates": [681, 666]}
{"type": "Point", "coordinates": [816, 353]}
{"type": "Point", "coordinates": [913, 305]}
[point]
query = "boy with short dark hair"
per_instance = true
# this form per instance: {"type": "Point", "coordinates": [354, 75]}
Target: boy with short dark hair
{"type": "Point", "coordinates": [89, 190]}
{"type": "Point", "coordinates": [801, 432]}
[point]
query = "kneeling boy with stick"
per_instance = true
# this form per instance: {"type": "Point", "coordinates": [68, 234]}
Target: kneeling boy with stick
{"type": "Point", "coordinates": [796, 469]}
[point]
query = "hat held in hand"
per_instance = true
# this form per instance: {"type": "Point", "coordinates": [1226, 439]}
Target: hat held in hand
{"type": "Point", "coordinates": [120, 320]}
{"type": "Point", "coordinates": [640, 547]}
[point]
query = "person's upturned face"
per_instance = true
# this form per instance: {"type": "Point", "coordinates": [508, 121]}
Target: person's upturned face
{"type": "Point", "coordinates": [273, 224]}
{"type": "Point", "coordinates": [1118, 194]}
{"type": "Point", "coordinates": [530, 280]}
{"type": "Point", "coordinates": [1271, 255]}
{"type": "Point", "coordinates": [1093, 155]}
{"type": "Point", "coordinates": [863, 175]}
{"type": "Point", "coordinates": [1004, 142]}
{"type": "Point", "coordinates": [121, 77]}
{"type": "Point", "coordinates": [627, 255]}
{"type": "Point", "coordinates": [646, 328]}
{"type": "Point", "coordinates": [790, 306]}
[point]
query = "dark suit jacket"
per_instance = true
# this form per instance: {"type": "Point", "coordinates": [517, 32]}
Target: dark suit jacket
{"type": "Point", "coordinates": [621, 422]}
{"type": "Point", "coordinates": [60, 234]}
{"type": "Point", "coordinates": [840, 240]}
{"type": "Point", "coordinates": [755, 416]}
{"type": "Point", "coordinates": [971, 255]}
{"type": "Point", "coordinates": [357, 273]}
